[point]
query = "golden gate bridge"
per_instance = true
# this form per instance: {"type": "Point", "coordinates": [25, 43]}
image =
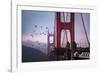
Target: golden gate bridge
{"type": "Point", "coordinates": [71, 51]}
{"type": "Point", "coordinates": [65, 21]}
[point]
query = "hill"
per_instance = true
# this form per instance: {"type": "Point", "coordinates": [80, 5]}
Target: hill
{"type": "Point", "coordinates": [32, 55]}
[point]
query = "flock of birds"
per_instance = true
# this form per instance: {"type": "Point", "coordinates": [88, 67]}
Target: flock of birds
{"type": "Point", "coordinates": [41, 33]}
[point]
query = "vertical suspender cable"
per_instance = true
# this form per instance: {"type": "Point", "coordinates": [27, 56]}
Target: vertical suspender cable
{"type": "Point", "coordinates": [85, 29]}
{"type": "Point", "coordinates": [64, 31]}
{"type": "Point", "coordinates": [54, 30]}
{"type": "Point", "coordinates": [65, 20]}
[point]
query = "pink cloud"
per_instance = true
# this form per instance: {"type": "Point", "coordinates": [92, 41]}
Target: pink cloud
{"type": "Point", "coordinates": [35, 38]}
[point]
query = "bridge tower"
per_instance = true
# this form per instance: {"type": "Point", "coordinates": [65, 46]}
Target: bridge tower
{"type": "Point", "coordinates": [64, 26]}
{"type": "Point", "coordinates": [50, 44]}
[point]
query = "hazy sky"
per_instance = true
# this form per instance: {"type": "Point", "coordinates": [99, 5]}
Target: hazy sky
{"type": "Point", "coordinates": [35, 25]}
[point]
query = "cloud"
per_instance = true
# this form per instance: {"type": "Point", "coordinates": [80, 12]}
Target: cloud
{"type": "Point", "coordinates": [34, 38]}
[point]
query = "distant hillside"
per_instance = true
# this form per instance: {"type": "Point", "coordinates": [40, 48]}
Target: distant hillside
{"type": "Point", "coordinates": [36, 45]}
{"type": "Point", "coordinates": [32, 55]}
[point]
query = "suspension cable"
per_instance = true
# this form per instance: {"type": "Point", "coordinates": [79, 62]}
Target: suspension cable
{"type": "Point", "coordinates": [85, 29]}
{"type": "Point", "coordinates": [64, 21]}
{"type": "Point", "coordinates": [54, 29]}
{"type": "Point", "coordinates": [64, 31]}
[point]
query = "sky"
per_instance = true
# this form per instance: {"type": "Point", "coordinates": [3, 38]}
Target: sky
{"type": "Point", "coordinates": [35, 26]}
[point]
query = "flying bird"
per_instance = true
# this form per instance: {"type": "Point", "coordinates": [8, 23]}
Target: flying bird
{"type": "Point", "coordinates": [35, 26]}
{"type": "Point", "coordinates": [34, 31]}
{"type": "Point", "coordinates": [31, 35]}
{"type": "Point", "coordinates": [46, 27]}
{"type": "Point", "coordinates": [41, 27]}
